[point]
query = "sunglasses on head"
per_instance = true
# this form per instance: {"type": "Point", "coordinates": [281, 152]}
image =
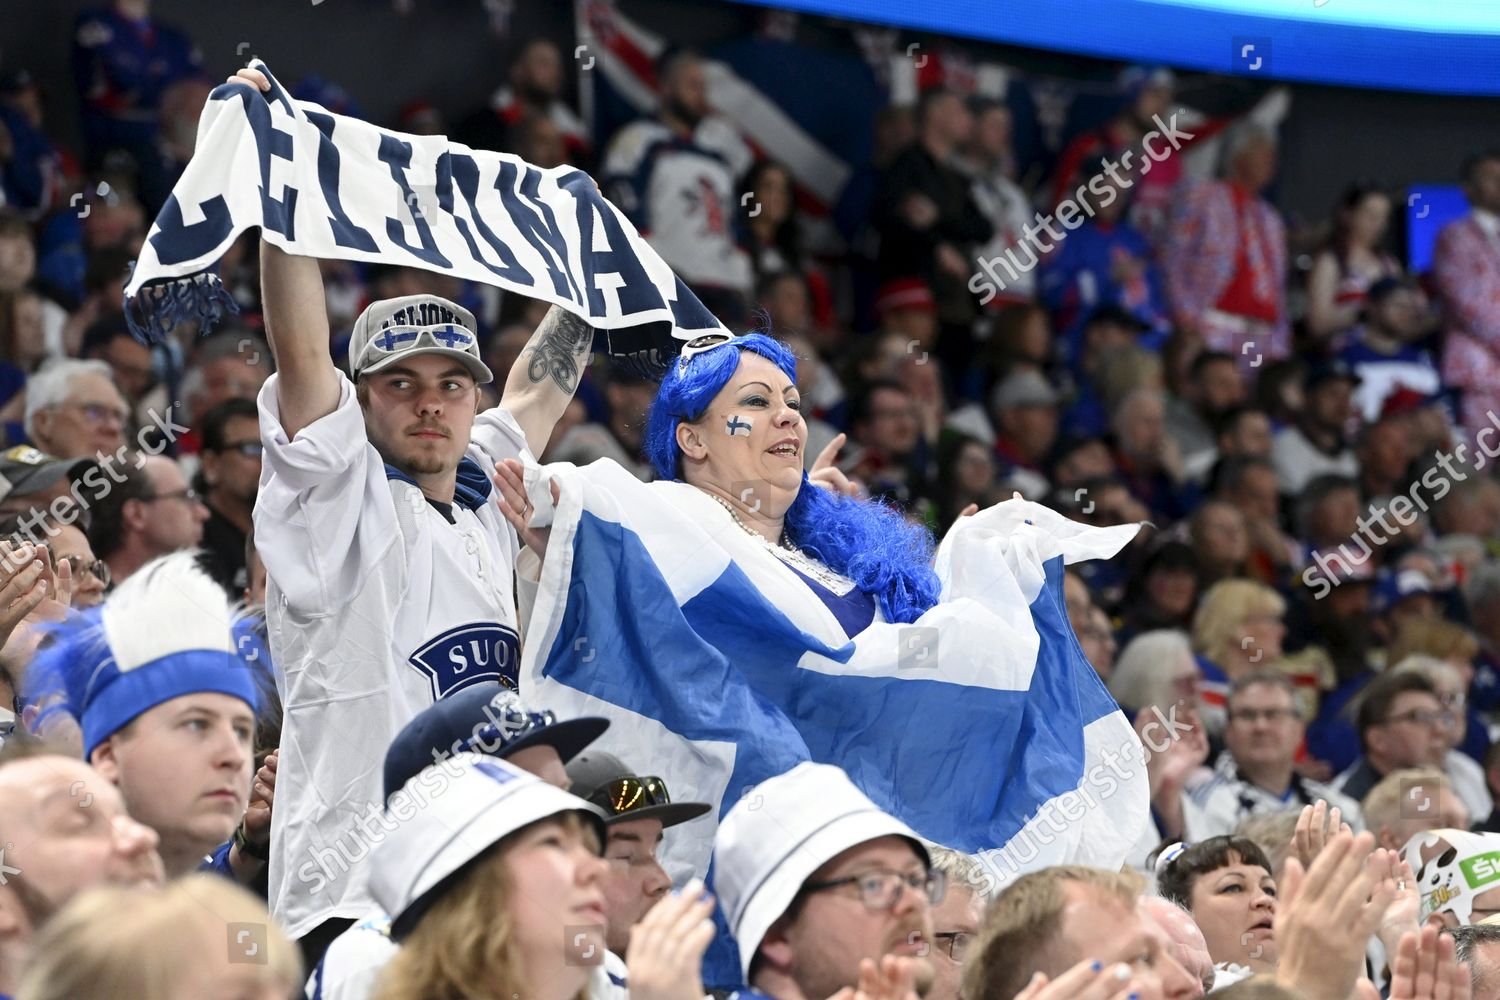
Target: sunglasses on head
{"type": "Point", "coordinates": [699, 345]}
{"type": "Point", "coordinates": [398, 339]}
{"type": "Point", "coordinates": [629, 793]}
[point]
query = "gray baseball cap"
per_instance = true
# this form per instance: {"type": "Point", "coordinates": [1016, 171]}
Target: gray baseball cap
{"type": "Point", "coordinates": [392, 329]}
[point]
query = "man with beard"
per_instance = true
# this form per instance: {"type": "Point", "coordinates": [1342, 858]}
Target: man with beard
{"type": "Point", "coordinates": [822, 890]}
{"type": "Point", "coordinates": [65, 830]}
{"type": "Point", "coordinates": [672, 178]}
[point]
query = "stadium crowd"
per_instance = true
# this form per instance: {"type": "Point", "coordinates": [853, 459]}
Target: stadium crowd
{"type": "Point", "coordinates": [1314, 602]}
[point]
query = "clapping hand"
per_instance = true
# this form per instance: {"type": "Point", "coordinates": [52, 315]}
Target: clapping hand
{"type": "Point", "coordinates": [665, 957]}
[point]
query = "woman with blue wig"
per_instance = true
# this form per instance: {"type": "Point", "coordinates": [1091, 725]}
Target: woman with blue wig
{"type": "Point", "coordinates": [741, 615]}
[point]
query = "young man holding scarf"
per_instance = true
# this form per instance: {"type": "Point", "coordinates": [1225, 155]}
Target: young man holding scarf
{"type": "Point", "coordinates": [389, 565]}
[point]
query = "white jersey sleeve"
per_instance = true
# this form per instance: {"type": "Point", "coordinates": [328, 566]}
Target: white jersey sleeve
{"type": "Point", "coordinates": [496, 436]}
{"type": "Point", "coordinates": [324, 515]}
{"type": "Point", "coordinates": [351, 967]}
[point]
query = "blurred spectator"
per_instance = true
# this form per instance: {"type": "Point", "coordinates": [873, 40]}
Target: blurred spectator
{"type": "Point", "coordinates": [17, 253]}
{"type": "Point", "coordinates": [63, 534]}
{"type": "Point", "coordinates": [1180, 938]}
{"type": "Point", "coordinates": [151, 511]}
{"type": "Point", "coordinates": [123, 60]}
{"type": "Point", "coordinates": [1222, 539]}
{"type": "Point", "coordinates": [22, 351]}
{"type": "Point", "coordinates": [1466, 270]}
{"type": "Point", "coordinates": [74, 410]}
{"type": "Point", "coordinates": [1327, 518]}
{"type": "Point", "coordinates": [1163, 590]}
{"type": "Point", "coordinates": [1225, 259]}
{"type": "Point", "coordinates": [768, 221]}
{"type": "Point", "coordinates": [1107, 335]}
{"type": "Point", "coordinates": [990, 161]}
{"type": "Point", "coordinates": [629, 397]}
{"type": "Point", "coordinates": [226, 366]}
{"type": "Point", "coordinates": [925, 212]}
{"type": "Point", "coordinates": [784, 297]}
{"type": "Point", "coordinates": [1243, 432]}
{"type": "Point", "coordinates": [965, 475]}
{"type": "Point", "coordinates": [1195, 415]}
{"type": "Point", "coordinates": [1318, 444]}
{"type": "Point", "coordinates": [1385, 351]}
{"type": "Point", "coordinates": [1237, 630]}
{"type": "Point", "coordinates": [816, 384]}
{"type": "Point", "coordinates": [181, 105]}
{"type": "Point", "coordinates": [1025, 410]}
{"type": "Point", "coordinates": [1147, 457]}
{"type": "Point", "coordinates": [680, 191]}
{"type": "Point", "coordinates": [131, 364]}
{"type": "Point", "coordinates": [420, 117]}
{"type": "Point", "coordinates": [1272, 833]}
{"type": "Point", "coordinates": [1348, 266]}
{"type": "Point", "coordinates": [1146, 94]}
{"type": "Point", "coordinates": [956, 919]}
{"type": "Point", "coordinates": [230, 476]}
{"type": "Point", "coordinates": [537, 140]}
{"type": "Point", "coordinates": [1462, 770]}
{"type": "Point", "coordinates": [171, 946]}
{"type": "Point", "coordinates": [1249, 483]}
{"type": "Point", "coordinates": [893, 457]}
{"type": "Point", "coordinates": [31, 165]}
{"type": "Point", "coordinates": [1409, 801]}
{"type": "Point", "coordinates": [1401, 724]}
{"type": "Point", "coordinates": [1471, 507]}
{"type": "Point", "coordinates": [534, 90]}
{"type": "Point", "coordinates": [1385, 452]}
{"type": "Point", "coordinates": [905, 306]}
{"type": "Point", "coordinates": [1050, 921]}
{"type": "Point", "coordinates": [65, 851]}
{"type": "Point", "coordinates": [1106, 261]}
{"type": "Point", "coordinates": [1255, 774]}
{"type": "Point", "coordinates": [1457, 647]}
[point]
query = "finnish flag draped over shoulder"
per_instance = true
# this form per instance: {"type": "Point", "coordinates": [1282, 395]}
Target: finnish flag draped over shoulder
{"type": "Point", "coordinates": [981, 725]}
{"type": "Point", "coordinates": [329, 186]}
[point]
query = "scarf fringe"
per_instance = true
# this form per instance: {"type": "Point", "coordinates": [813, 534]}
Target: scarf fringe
{"type": "Point", "coordinates": [159, 307]}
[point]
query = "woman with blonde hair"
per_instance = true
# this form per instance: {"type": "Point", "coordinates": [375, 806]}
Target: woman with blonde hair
{"type": "Point", "coordinates": [200, 937]}
{"type": "Point", "coordinates": [1237, 630]}
{"type": "Point", "coordinates": [513, 905]}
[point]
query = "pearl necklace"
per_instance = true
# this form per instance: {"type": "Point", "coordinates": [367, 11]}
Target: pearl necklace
{"type": "Point", "coordinates": [791, 555]}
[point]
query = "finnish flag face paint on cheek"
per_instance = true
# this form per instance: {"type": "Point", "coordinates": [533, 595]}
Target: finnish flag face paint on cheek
{"type": "Point", "coordinates": [737, 425]}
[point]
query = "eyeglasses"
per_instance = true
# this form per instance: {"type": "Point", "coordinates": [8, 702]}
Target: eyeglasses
{"type": "Point", "coordinates": [699, 345]}
{"type": "Point", "coordinates": [629, 793]}
{"type": "Point", "coordinates": [1254, 715]}
{"type": "Point", "coordinates": [189, 494]}
{"type": "Point", "coordinates": [1424, 718]}
{"type": "Point", "coordinates": [1455, 700]}
{"type": "Point", "coordinates": [880, 889]}
{"type": "Point", "coordinates": [98, 568]}
{"type": "Point", "coordinates": [399, 340]}
{"type": "Point", "coordinates": [955, 944]}
{"type": "Point", "coordinates": [98, 413]}
{"type": "Point", "coordinates": [250, 449]}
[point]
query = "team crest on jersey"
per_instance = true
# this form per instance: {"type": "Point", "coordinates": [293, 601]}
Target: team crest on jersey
{"type": "Point", "coordinates": [468, 655]}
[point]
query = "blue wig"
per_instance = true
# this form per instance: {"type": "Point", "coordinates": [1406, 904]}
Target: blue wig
{"type": "Point", "coordinates": [866, 541]}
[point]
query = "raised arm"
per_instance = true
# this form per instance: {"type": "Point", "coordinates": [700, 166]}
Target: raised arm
{"type": "Point", "coordinates": [291, 291]}
{"type": "Point", "coordinates": [546, 375]}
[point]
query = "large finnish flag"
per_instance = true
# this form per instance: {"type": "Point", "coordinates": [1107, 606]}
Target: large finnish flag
{"type": "Point", "coordinates": [981, 725]}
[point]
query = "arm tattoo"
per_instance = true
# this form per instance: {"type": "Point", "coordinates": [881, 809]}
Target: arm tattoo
{"type": "Point", "coordinates": [559, 349]}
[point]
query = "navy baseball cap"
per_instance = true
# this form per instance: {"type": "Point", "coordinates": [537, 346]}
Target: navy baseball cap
{"type": "Point", "coordinates": [603, 780]}
{"type": "Point", "coordinates": [1393, 588]}
{"type": "Point", "coordinates": [486, 719]}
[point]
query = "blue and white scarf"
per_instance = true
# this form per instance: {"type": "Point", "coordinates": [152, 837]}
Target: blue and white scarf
{"type": "Point", "coordinates": [325, 185]}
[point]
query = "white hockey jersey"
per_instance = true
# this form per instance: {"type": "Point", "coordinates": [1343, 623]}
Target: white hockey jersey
{"type": "Point", "coordinates": [376, 606]}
